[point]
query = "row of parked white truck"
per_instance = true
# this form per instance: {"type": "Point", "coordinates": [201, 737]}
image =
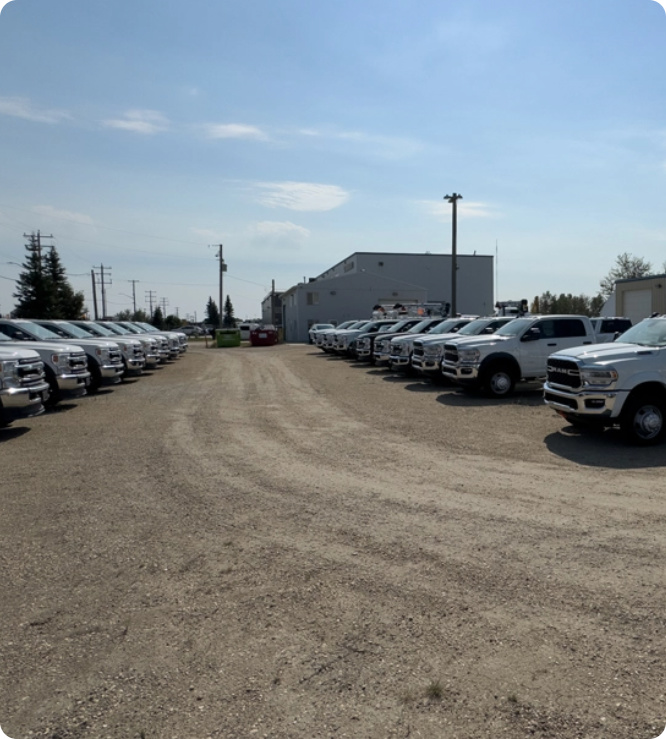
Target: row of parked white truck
{"type": "Point", "coordinates": [44, 361]}
{"type": "Point", "coordinates": [595, 372]}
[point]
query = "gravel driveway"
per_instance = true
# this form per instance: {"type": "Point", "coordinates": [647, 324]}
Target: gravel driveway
{"type": "Point", "coordinates": [273, 542]}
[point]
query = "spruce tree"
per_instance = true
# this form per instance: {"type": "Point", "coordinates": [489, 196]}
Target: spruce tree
{"type": "Point", "coordinates": [66, 303]}
{"type": "Point", "coordinates": [212, 313]}
{"type": "Point", "coordinates": [32, 288]}
{"type": "Point", "coordinates": [158, 318]}
{"type": "Point", "coordinates": [228, 321]}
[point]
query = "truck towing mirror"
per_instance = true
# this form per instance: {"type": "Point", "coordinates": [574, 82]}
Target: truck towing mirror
{"type": "Point", "coordinates": [532, 334]}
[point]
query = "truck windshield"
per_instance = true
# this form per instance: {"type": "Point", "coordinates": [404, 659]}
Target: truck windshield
{"type": "Point", "coordinates": [515, 327]}
{"type": "Point", "coordinates": [650, 332]}
{"type": "Point", "coordinates": [39, 331]}
{"type": "Point", "coordinates": [447, 327]}
{"type": "Point", "coordinates": [75, 331]}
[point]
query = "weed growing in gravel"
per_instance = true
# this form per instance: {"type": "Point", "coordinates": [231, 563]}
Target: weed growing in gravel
{"type": "Point", "coordinates": [409, 696]}
{"type": "Point", "coordinates": [434, 691]}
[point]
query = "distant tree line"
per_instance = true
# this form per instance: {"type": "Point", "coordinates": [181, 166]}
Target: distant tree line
{"type": "Point", "coordinates": [627, 266]}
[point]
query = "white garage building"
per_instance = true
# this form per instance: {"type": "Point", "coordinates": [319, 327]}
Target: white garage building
{"type": "Point", "coordinates": [637, 298]}
{"type": "Point", "coordinates": [352, 287]}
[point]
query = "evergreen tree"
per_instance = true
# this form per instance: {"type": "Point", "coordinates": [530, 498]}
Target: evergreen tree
{"type": "Point", "coordinates": [212, 313]}
{"type": "Point", "coordinates": [66, 303]}
{"type": "Point", "coordinates": [140, 315]}
{"type": "Point", "coordinates": [172, 322]}
{"type": "Point", "coordinates": [43, 290]}
{"type": "Point", "coordinates": [32, 290]}
{"type": "Point", "coordinates": [228, 321]}
{"type": "Point", "coordinates": [158, 318]}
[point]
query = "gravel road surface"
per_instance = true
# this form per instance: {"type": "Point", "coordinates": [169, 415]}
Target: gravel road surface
{"type": "Point", "coordinates": [274, 542]}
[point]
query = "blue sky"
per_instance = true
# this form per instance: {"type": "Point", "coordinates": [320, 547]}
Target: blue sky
{"type": "Point", "coordinates": [296, 132]}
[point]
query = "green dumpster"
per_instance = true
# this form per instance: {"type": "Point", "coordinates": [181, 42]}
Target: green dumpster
{"type": "Point", "coordinates": [227, 337]}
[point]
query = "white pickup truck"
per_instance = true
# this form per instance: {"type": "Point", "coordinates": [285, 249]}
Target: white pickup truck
{"type": "Point", "coordinates": [517, 351]}
{"type": "Point", "coordinates": [23, 387]}
{"type": "Point", "coordinates": [620, 383]}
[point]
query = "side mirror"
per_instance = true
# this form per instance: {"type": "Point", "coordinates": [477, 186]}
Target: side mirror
{"type": "Point", "coordinates": [532, 334]}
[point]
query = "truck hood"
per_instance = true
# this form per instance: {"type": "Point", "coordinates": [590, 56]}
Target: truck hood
{"type": "Point", "coordinates": [488, 340]}
{"type": "Point", "coordinates": [612, 351]}
{"type": "Point", "coordinates": [50, 346]}
{"type": "Point", "coordinates": [438, 338]}
{"type": "Point", "coordinates": [10, 353]}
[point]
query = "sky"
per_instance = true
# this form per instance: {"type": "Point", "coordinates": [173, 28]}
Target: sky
{"type": "Point", "coordinates": [143, 134]}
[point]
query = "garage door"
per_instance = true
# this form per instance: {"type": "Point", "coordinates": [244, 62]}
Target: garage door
{"type": "Point", "coordinates": [637, 304]}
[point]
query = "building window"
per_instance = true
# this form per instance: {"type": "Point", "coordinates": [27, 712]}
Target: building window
{"type": "Point", "coordinates": [312, 298]}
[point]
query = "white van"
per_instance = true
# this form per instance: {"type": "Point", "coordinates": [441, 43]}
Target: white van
{"type": "Point", "coordinates": [245, 329]}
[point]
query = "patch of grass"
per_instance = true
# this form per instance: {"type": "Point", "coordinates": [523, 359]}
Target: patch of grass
{"type": "Point", "coordinates": [435, 691]}
{"type": "Point", "coordinates": [408, 697]}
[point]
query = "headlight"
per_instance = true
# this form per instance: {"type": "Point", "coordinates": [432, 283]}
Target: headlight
{"type": "Point", "coordinates": [8, 373]}
{"type": "Point", "coordinates": [598, 377]}
{"type": "Point", "coordinates": [60, 360]}
{"type": "Point", "coordinates": [468, 355]}
{"type": "Point", "coordinates": [433, 351]}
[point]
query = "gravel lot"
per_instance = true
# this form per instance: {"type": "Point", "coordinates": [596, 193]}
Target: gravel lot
{"type": "Point", "coordinates": [273, 542]}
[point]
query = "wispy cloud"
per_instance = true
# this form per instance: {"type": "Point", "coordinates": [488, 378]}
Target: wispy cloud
{"type": "Point", "coordinates": [388, 147]}
{"type": "Point", "coordinates": [442, 210]}
{"type": "Point", "coordinates": [235, 131]}
{"type": "Point", "coordinates": [140, 121]}
{"type": "Point", "coordinates": [282, 236]}
{"type": "Point", "coordinates": [213, 237]}
{"type": "Point", "coordinates": [302, 196]}
{"type": "Point", "coordinates": [19, 107]}
{"type": "Point", "coordinates": [65, 215]}
{"type": "Point", "coordinates": [281, 228]}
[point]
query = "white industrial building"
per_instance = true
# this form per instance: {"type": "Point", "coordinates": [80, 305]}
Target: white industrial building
{"type": "Point", "coordinates": [637, 297]}
{"type": "Point", "coordinates": [351, 288]}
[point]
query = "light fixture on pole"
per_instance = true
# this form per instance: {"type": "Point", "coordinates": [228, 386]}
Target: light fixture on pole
{"type": "Point", "coordinates": [453, 199]}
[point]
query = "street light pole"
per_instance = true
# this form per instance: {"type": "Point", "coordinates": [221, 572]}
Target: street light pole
{"type": "Point", "coordinates": [453, 199]}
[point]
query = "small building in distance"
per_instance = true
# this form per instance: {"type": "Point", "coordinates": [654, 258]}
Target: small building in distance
{"type": "Point", "coordinates": [351, 288]}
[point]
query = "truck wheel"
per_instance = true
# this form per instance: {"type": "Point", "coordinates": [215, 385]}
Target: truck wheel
{"type": "Point", "coordinates": [642, 420]}
{"type": "Point", "coordinates": [499, 381]}
{"type": "Point", "coordinates": [95, 377]}
{"type": "Point", "coordinates": [54, 390]}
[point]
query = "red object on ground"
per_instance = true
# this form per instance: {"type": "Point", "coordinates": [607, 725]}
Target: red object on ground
{"type": "Point", "coordinates": [263, 336]}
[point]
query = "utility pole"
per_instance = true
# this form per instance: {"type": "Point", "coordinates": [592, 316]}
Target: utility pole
{"type": "Point", "coordinates": [94, 292]}
{"type": "Point", "coordinates": [165, 302]}
{"type": "Point", "coordinates": [150, 297]}
{"type": "Point", "coordinates": [133, 293]}
{"type": "Point", "coordinates": [223, 269]}
{"type": "Point", "coordinates": [453, 199]}
{"type": "Point", "coordinates": [103, 283]}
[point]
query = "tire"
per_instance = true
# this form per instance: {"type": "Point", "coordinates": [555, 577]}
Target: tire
{"type": "Point", "coordinates": [643, 420]}
{"type": "Point", "coordinates": [499, 381]}
{"type": "Point", "coordinates": [54, 390]}
{"type": "Point", "coordinates": [95, 377]}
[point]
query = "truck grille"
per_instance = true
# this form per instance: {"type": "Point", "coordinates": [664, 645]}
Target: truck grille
{"type": "Point", "coordinates": [450, 354]}
{"type": "Point", "coordinates": [78, 362]}
{"type": "Point", "coordinates": [30, 372]}
{"type": "Point", "coordinates": [115, 357]}
{"type": "Point", "coordinates": [563, 372]}
{"type": "Point", "coordinates": [418, 349]}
